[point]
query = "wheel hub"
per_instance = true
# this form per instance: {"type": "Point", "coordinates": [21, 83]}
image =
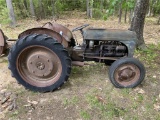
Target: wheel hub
{"type": "Point", "coordinates": [126, 74]}
{"type": "Point", "coordinates": [39, 64]}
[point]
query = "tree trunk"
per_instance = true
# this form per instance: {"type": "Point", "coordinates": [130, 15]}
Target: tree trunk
{"type": "Point", "coordinates": [158, 20]}
{"type": "Point", "coordinates": [120, 11]}
{"type": "Point", "coordinates": [138, 20]}
{"type": "Point", "coordinates": [101, 5]}
{"type": "Point", "coordinates": [149, 10]}
{"type": "Point", "coordinates": [42, 14]}
{"type": "Point", "coordinates": [87, 6]}
{"type": "Point", "coordinates": [52, 8]}
{"type": "Point", "coordinates": [152, 8]}
{"type": "Point", "coordinates": [20, 8]}
{"type": "Point", "coordinates": [91, 9]}
{"type": "Point", "coordinates": [11, 13]}
{"type": "Point", "coordinates": [32, 9]}
{"type": "Point", "coordinates": [26, 8]}
{"type": "Point", "coordinates": [125, 16]}
{"type": "Point", "coordinates": [130, 16]}
{"type": "Point", "coordinates": [25, 4]}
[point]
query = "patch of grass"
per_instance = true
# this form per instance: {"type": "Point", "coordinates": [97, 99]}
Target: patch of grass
{"type": "Point", "coordinates": [72, 101]}
{"type": "Point", "coordinates": [107, 109]}
{"type": "Point", "coordinates": [158, 117]}
{"type": "Point", "coordinates": [13, 115]}
{"type": "Point", "coordinates": [140, 98]}
{"type": "Point", "coordinates": [65, 102]}
{"type": "Point", "coordinates": [3, 59]}
{"type": "Point", "coordinates": [125, 92]}
{"type": "Point", "coordinates": [85, 115]}
{"type": "Point", "coordinates": [134, 105]}
{"type": "Point", "coordinates": [150, 54]}
{"type": "Point", "coordinates": [149, 107]}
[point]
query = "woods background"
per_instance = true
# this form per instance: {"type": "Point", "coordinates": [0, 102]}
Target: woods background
{"type": "Point", "coordinates": [98, 9]}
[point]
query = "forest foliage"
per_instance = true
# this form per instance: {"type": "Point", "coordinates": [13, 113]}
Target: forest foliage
{"type": "Point", "coordinates": [99, 9]}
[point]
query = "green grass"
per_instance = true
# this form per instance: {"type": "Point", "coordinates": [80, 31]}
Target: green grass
{"type": "Point", "coordinates": [150, 54]}
{"type": "Point", "coordinates": [85, 115]}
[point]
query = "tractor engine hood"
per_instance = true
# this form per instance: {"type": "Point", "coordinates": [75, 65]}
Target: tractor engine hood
{"type": "Point", "coordinates": [109, 34]}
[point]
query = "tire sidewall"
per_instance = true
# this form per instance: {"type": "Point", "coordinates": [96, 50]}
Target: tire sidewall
{"type": "Point", "coordinates": [122, 61]}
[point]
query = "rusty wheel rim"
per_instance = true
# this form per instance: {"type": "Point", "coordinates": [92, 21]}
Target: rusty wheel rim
{"type": "Point", "coordinates": [39, 66]}
{"type": "Point", "coordinates": [1, 50]}
{"type": "Point", "coordinates": [127, 74]}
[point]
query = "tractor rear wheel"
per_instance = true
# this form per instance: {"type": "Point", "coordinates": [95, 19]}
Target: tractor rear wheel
{"type": "Point", "coordinates": [126, 73]}
{"type": "Point", "coordinates": [39, 63]}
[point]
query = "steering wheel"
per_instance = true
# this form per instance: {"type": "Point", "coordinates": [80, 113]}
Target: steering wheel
{"type": "Point", "coordinates": [80, 27]}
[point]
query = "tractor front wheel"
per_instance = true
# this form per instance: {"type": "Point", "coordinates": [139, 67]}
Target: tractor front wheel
{"type": "Point", "coordinates": [126, 73]}
{"type": "Point", "coordinates": [39, 63]}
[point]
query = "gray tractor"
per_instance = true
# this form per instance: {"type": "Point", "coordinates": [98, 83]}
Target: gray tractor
{"type": "Point", "coordinates": [42, 57]}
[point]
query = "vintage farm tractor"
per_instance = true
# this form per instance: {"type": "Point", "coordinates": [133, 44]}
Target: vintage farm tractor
{"type": "Point", "coordinates": [41, 58]}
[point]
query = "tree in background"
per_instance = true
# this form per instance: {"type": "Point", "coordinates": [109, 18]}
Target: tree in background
{"type": "Point", "coordinates": [89, 6]}
{"type": "Point", "coordinates": [138, 20]}
{"type": "Point", "coordinates": [11, 13]}
{"type": "Point", "coordinates": [32, 9]}
{"type": "Point", "coordinates": [120, 10]}
{"type": "Point", "coordinates": [98, 9]}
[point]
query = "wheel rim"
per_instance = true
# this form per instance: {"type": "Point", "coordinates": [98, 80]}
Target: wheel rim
{"type": "Point", "coordinates": [127, 74]}
{"type": "Point", "coordinates": [39, 66]}
{"type": "Point", "coordinates": [1, 50]}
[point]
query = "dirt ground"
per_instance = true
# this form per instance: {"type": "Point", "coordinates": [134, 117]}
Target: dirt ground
{"type": "Point", "coordinates": [88, 94]}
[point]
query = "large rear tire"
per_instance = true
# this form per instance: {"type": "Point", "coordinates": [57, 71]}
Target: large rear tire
{"type": "Point", "coordinates": [126, 73]}
{"type": "Point", "coordinates": [39, 63]}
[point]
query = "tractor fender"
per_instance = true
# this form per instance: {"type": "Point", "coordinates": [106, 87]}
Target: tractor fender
{"type": "Point", "coordinates": [64, 31]}
{"type": "Point", "coordinates": [2, 39]}
{"type": "Point", "coordinates": [46, 31]}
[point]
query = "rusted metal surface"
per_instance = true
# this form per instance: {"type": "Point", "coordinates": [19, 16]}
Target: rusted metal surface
{"type": "Point", "coordinates": [2, 42]}
{"type": "Point", "coordinates": [127, 74]}
{"type": "Point", "coordinates": [62, 34]}
{"type": "Point", "coordinates": [62, 30]}
{"type": "Point", "coordinates": [49, 32]}
{"type": "Point", "coordinates": [2, 39]}
{"type": "Point", "coordinates": [39, 66]}
{"type": "Point", "coordinates": [78, 63]}
{"type": "Point", "coordinates": [103, 58]}
{"type": "Point", "coordinates": [10, 43]}
{"type": "Point", "coordinates": [109, 34]}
